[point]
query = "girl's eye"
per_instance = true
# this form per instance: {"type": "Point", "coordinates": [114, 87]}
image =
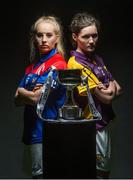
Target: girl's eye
{"type": "Point", "coordinates": [86, 36]}
{"type": "Point", "coordinates": [39, 35]}
{"type": "Point", "coordinates": [95, 35]}
{"type": "Point", "coordinates": [49, 35]}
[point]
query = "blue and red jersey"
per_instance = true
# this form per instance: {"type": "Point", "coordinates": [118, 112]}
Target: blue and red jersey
{"type": "Point", "coordinates": [37, 73]}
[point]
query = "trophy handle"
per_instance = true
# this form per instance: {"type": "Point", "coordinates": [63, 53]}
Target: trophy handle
{"type": "Point", "coordinates": [45, 93]}
{"type": "Point", "coordinates": [96, 114]}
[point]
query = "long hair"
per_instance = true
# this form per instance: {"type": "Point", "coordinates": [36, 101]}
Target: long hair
{"type": "Point", "coordinates": [58, 30]}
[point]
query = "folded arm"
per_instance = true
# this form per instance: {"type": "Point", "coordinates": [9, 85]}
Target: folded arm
{"type": "Point", "coordinates": [23, 96]}
{"type": "Point", "coordinates": [107, 94]}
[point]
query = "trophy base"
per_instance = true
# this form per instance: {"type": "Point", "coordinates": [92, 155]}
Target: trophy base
{"type": "Point", "coordinates": [70, 112]}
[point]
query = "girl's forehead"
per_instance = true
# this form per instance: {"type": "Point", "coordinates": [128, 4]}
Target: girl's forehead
{"type": "Point", "coordinates": [45, 26]}
{"type": "Point", "coordinates": [88, 29]}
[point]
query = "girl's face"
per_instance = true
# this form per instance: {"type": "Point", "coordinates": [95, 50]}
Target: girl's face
{"type": "Point", "coordinates": [46, 38]}
{"type": "Point", "coordinates": [86, 40]}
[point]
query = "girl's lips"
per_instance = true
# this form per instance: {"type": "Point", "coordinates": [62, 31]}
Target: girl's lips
{"type": "Point", "coordinates": [44, 46]}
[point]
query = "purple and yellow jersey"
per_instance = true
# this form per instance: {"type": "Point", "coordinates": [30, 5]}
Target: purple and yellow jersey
{"type": "Point", "coordinates": [92, 79]}
{"type": "Point", "coordinates": [92, 82]}
{"type": "Point", "coordinates": [79, 61]}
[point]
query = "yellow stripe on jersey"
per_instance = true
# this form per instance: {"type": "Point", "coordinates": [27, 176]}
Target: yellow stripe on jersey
{"type": "Point", "coordinates": [92, 79]}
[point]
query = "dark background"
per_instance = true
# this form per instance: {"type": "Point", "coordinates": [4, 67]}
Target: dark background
{"type": "Point", "coordinates": [115, 47]}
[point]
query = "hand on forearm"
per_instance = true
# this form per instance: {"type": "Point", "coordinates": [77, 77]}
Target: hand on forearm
{"type": "Point", "coordinates": [105, 95]}
{"type": "Point", "coordinates": [24, 96]}
{"type": "Point", "coordinates": [101, 86]}
{"type": "Point", "coordinates": [110, 90]}
{"type": "Point", "coordinates": [119, 89]}
{"type": "Point", "coordinates": [37, 87]}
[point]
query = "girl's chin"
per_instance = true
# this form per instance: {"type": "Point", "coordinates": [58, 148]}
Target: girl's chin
{"type": "Point", "coordinates": [44, 51]}
{"type": "Point", "coordinates": [90, 51]}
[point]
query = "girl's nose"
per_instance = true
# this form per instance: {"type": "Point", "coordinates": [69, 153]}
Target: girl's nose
{"type": "Point", "coordinates": [91, 40]}
{"type": "Point", "coordinates": [44, 39]}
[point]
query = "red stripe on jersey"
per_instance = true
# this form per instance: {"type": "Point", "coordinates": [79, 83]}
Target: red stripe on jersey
{"type": "Point", "coordinates": [56, 60]}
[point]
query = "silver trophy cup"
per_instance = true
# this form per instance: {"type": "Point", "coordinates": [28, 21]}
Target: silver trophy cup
{"type": "Point", "coordinates": [70, 78]}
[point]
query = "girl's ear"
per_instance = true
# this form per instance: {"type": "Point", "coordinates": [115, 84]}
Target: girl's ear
{"type": "Point", "coordinates": [57, 40]}
{"type": "Point", "coordinates": [74, 36]}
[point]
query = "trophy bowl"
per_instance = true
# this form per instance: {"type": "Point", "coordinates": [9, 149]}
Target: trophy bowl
{"type": "Point", "coordinates": [70, 77]}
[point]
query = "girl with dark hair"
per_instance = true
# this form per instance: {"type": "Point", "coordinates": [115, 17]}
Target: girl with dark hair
{"type": "Point", "coordinates": [85, 30]}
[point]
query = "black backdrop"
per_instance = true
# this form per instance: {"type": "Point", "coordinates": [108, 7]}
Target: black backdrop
{"type": "Point", "coordinates": [115, 46]}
